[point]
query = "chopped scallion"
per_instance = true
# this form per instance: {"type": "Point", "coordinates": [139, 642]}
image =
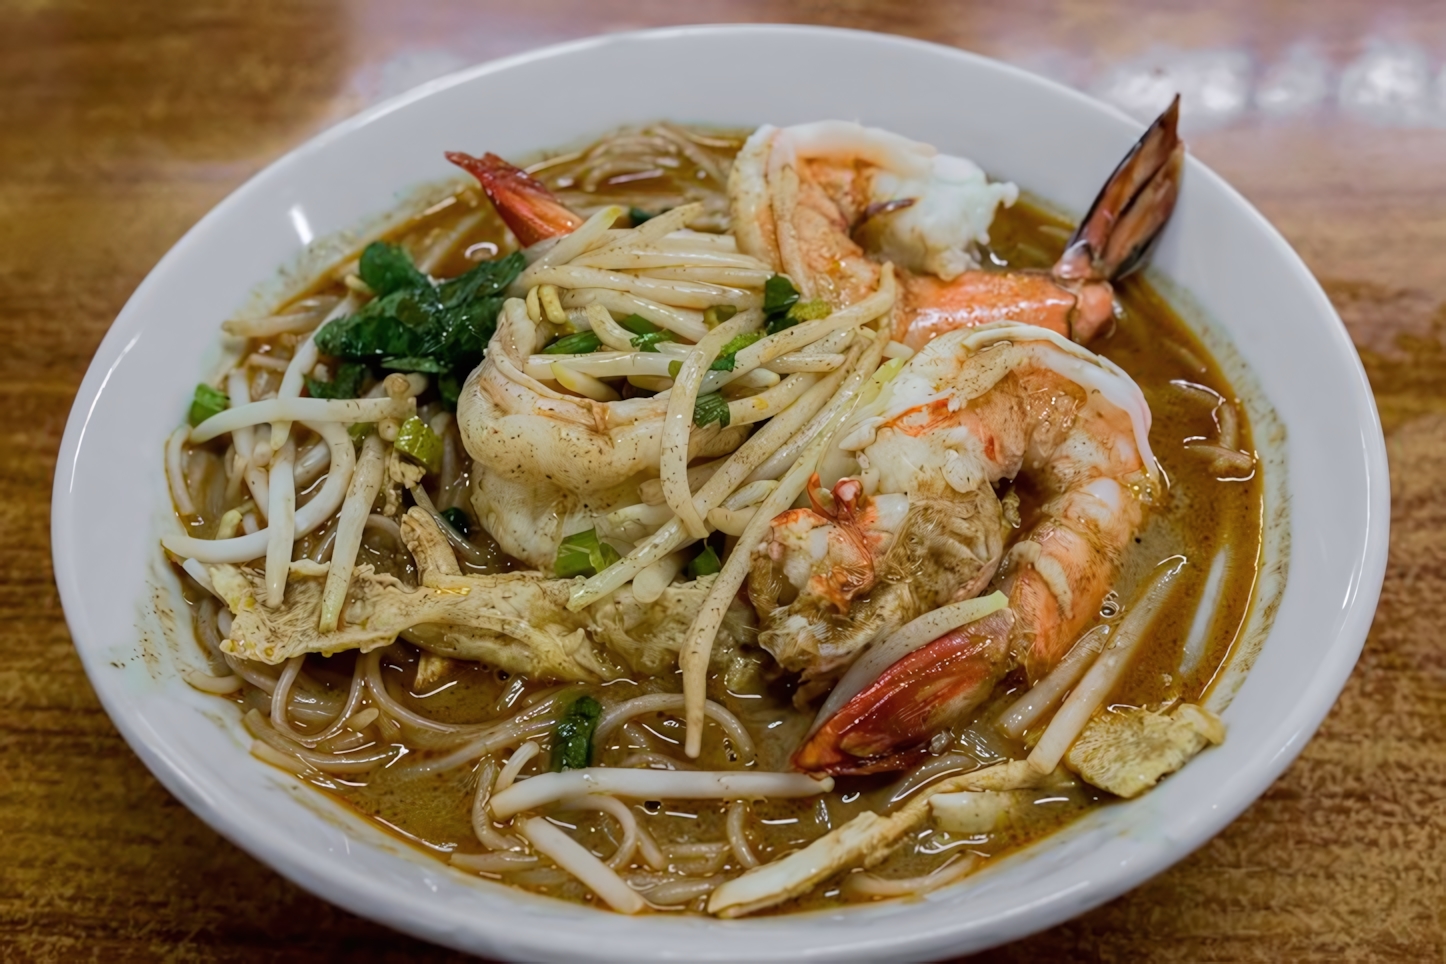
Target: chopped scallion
{"type": "Point", "coordinates": [417, 441]}
{"type": "Point", "coordinates": [583, 554]}
{"type": "Point", "coordinates": [578, 343]}
{"type": "Point", "coordinates": [638, 325]}
{"type": "Point", "coordinates": [711, 408]}
{"type": "Point", "coordinates": [705, 563]}
{"type": "Point", "coordinates": [728, 355]}
{"type": "Point", "coordinates": [649, 340]}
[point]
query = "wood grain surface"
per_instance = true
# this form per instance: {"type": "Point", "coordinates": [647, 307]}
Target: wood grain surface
{"type": "Point", "coordinates": [122, 123]}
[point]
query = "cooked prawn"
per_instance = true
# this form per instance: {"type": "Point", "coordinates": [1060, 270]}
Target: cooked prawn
{"type": "Point", "coordinates": [824, 201]}
{"type": "Point", "coordinates": [973, 409]}
{"type": "Point", "coordinates": [549, 463]}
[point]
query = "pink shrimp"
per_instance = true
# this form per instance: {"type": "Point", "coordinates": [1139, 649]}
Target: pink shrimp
{"type": "Point", "coordinates": [974, 408]}
{"type": "Point", "coordinates": [825, 202]}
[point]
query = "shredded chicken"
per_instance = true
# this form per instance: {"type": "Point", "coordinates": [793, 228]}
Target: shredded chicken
{"type": "Point", "coordinates": [515, 621]}
{"type": "Point", "coordinates": [1126, 751]}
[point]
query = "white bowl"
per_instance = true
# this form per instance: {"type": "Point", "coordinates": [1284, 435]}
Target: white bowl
{"type": "Point", "coordinates": [1245, 287]}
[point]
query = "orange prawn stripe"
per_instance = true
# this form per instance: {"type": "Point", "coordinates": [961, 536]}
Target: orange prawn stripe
{"type": "Point", "coordinates": [913, 699]}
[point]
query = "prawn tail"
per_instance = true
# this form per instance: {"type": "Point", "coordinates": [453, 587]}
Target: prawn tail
{"type": "Point", "coordinates": [1124, 222]}
{"type": "Point", "coordinates": [888, 725]}
{"type": "Point", "coordinates": [529, 209]}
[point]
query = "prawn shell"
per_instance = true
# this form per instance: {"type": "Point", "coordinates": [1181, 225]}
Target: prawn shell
{"type": "Point", "coordinates": [888, 725]}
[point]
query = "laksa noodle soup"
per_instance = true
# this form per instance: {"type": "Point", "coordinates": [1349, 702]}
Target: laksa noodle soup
{"type": "Point", "coordinates": [726, 522]}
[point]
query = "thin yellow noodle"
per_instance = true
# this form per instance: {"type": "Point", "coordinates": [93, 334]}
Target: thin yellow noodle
{"type": "Point", "coordinates": [737, 835]}
{"type": "Point", "coordinates": [650, 584]}
{"type": "Point", "coordinates": [683, 294]}
{"type": "Point", "coordinates": [488, 835]}
{"type": "Point", "coordinates": [620, 812]}
{"type": "Point", "coordinates": [175, 473]}
{"type": "Point", "coordinates": [520, 758]}
{"type": "Point", "coordinates": [654, 229]}
{"type": "Point", "coordinates": [583, 383]}
{"type": "Point", "coordinates": [343, 410]}
{"type": "Point", "coordinates": [799, 362]}
{"type": "Point", "coordinates": [678, 422]}
{"type": "Point", "coordinates": [609, 332]}
{"type": "Point", "coordinates": [866, 884]}
{"type": "Point", "coordinates": [495, 862]}
{"type": "Point", "coordinates": [326, 762]}
{"type": "Point", "coordinates": [281, 699]}
{"type": "Point", "coordinates": [602, 364]}
{"type": "Point", "coordinates": [669, 256]}
{"type": "Point", "coordinates": [728, 276]}
{"type": "Point", "coordinates": [206, 683]}
{"type": "Point", "coordinates": [591, 233]}
{"type": "Point", "coordinates": [687, 322]}
{"type": "Point", "coordinates": [301, 363]}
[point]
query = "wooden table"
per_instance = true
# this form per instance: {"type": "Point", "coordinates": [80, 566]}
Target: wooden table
{"type": "Point", "coordinates": [122, 123]}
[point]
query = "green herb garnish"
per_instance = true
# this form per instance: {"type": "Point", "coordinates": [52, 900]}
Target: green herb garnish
{"type": "Point", "coordinates": [387, 268]}
{"type": "Point", "coordinates": [572, 739]}
{"type": "Point", "coordinates": [583, 554]}
{"type": "Point", "coordinates": [648, 341]}
{"type": "Point", "coordinates": [711, 408]}
{"type": "Point", "coordinates": [638, 325]}
{"type": "Point", "coordinates": [728, 354]}
{"type": "Point", "coordinates": [415, 325]}
{"type": "Point", "coordinates": [417, 441]}
{"type": "Point", "coordinates": [705, 563]}
{"type": "Point", "coordinates": [578, 343]}
{"type": "Point", "coordinates": [449, 386]}
{"type": "Point", "coordinates": [779, 295]}
{"type": "Point", "coordinates": [346, 382]}
{"type": "Point", "coordinates": [207, 401]}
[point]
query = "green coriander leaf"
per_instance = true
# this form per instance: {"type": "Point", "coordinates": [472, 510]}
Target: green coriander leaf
{"type": "Point", "coordinates": [346, 382]}
{"type": "Point", "coordinates": [387, 268]}
{"type": "Point", "coordinates": [779, 295]}
{"type": "Point", "coordinates": [711, 408]}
